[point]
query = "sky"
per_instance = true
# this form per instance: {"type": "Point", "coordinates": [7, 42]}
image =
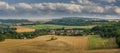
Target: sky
{"type": "Point", "coordinates": [45, 9]}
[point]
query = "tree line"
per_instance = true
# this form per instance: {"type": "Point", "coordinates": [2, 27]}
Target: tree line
{"type": "Point", "coordinates": [108, 31]}
{"type": "Point", "coordinates": [76, 21]}
{"type": "Point", "coordinates": [10, 34]}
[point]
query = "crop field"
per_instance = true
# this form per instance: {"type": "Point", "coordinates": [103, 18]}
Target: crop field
{"type": "Point", "coordinates": [42, 45]}
{"type": "Point", "coordinates": [50, 26]}
{"type": "Point", "coordinates": [20, 29]}
{"type": "Point", "coordinates": [63, 44]}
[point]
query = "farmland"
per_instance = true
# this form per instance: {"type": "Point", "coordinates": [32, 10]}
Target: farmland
{"type": "Point", "coordinates": [52, 26]}
{"type": "Point", "coordinates": [63, 44]}
{"type": "Point", "coordinates": [36, 37]}
{"type": "Point", "coordinates": [20, 29]}
{"type": "Point", "coordinates": [96, 42]}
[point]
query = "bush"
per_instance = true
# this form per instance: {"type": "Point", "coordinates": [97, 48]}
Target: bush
{"type": "Point", "coordinates": [2, 38]}
{"type": "Point", "coordinates": [118, 40]}
{"type": "Point", "coordinates": [53, 38]}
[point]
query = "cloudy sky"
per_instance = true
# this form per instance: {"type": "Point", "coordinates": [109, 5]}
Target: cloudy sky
{"type": "Point", "coordinates": [59, 8]}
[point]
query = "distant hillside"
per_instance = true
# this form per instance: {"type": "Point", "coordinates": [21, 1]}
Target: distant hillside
{"type": "Point", "coordinates": [82, 18]}
{"type": "Point", "coordinates": [77, 21]}
{"type": "Point", "coordinates": [10, 22]}
{"type": "Point", "coordinates": [13, 20]}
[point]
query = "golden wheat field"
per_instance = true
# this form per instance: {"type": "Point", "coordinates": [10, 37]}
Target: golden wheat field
{"type": "Point", "coordinates": [23, 29]}
{"type": "Point", "coordinates": [43, 44]}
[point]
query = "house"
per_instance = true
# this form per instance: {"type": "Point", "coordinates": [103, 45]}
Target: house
{"type": "Point", "coordinates": [66, 32]}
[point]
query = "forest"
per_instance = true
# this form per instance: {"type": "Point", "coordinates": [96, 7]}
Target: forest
{"type": "Point", "coordinates": [77, 21]}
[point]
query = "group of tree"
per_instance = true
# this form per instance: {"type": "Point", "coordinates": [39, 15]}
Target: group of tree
{"type": "Point", "coordinates": [25, 35]}
{"type": "Point", "coordinates": [108, 31]}
{"type": "Point", "coordinates": [12, 34]}
{"type": "Point", "coordinates": [77, 21]}
{"type": "Point", "coordinates": [13, 20]}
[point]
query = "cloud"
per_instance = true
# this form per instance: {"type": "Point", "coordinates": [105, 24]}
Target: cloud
{"type": "Point", "coordinates": [94, 9]}
{"type": "Point", "coordinates": [117, 10]}
{"type": "Point", "coordinates": [84, 2]}
{"type": "Point", "coordinates": [58, 7]}
{"type": "Point", "coordinates": [6, 6]}
{"type": "Point", "coordinates": [23, 6]}
{"type": "Point", "coordinates": [79, 7]}
{"type": "Point", "coordinates": [108, 1]}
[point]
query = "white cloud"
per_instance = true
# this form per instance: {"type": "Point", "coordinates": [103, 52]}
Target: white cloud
{"type": "Point", "coordinates": [23, 6]}
{"type": "Point", "coordinates": [112, 10]}
{"type": "Point", "coordinates": [6, 6]}
{"type": "Point", "coordinates": [108, 1]}
{"type": "Point", "coordinates": [94, 9]}
{"type": "Point", "coordinates": [83, 6]}
{"type": "Point", "coordinates": [97, 9]}
{"type": "Point", "coordinates": [58, 6]}
{"type": "Point", "coordinates": [117, 10]}
{"type": "Point", "coordinates": [86, 2]}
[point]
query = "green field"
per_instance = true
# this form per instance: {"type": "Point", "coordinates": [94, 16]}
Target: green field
{"type": "Point", "coordinates": [96, 42]}
{"type": "Point", "coordinates": [51, 26]}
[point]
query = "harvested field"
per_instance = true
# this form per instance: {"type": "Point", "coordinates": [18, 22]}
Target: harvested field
{"type": "Point", "coordinates": [23, 29]}
{"type": "Point", "coordinates": [63, 44]}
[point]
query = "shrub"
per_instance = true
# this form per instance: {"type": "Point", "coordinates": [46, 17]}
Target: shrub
{"type": "Point", "coordinates": [118, 40]}
{"type": "Point", "coordinates": [2, 38]}
{"type": "Point", "coordinates": [53, 38]}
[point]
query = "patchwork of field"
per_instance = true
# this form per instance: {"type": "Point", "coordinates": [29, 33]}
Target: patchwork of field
{"type": "Point", "coordinates": [51, 26]}
{"type": "Point", "coordinates": [44, 44]}
{"type": "Point", "coordinates": [23, 29]}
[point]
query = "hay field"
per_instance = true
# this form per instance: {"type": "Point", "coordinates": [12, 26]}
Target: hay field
{"type": "Point", "coordinates": [42, 45]}
{"type": "Point", "coordinates": [21, 29]}
{"type": "Point", "coordinates": [63, 44]}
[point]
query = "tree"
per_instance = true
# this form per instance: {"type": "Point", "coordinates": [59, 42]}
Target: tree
{"type": "Point", "coordinates": [118, 40]}
{"type": "Point", "coordinates": [118, 37]}
{"type": "Point", "coordinates": [2, 38]}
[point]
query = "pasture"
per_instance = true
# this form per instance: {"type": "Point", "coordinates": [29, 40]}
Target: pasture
{"type": "Point", "coordinates": [96, 42]}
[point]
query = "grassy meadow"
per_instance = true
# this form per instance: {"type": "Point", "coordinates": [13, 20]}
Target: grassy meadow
{"type": "Point", "coordinates": [96, 42]}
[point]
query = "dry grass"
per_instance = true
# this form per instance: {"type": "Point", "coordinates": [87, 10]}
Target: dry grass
{"type": "Point", "coordinates": [63, 44]}
{"type": "Point", "coordinates": [41, 45]}
{"type": "Point", "coordinates": [23, 29]}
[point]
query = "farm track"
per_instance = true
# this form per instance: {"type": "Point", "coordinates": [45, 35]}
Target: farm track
{"type": "Point", "coordinates": [63, 44]}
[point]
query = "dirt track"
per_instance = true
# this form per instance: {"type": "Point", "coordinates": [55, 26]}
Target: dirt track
{"type": "Point", "coordinates": [63, 44]}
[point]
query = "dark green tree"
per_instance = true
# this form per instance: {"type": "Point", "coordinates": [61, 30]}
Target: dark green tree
{"type": "Point", "coordinates": [2, 38]}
